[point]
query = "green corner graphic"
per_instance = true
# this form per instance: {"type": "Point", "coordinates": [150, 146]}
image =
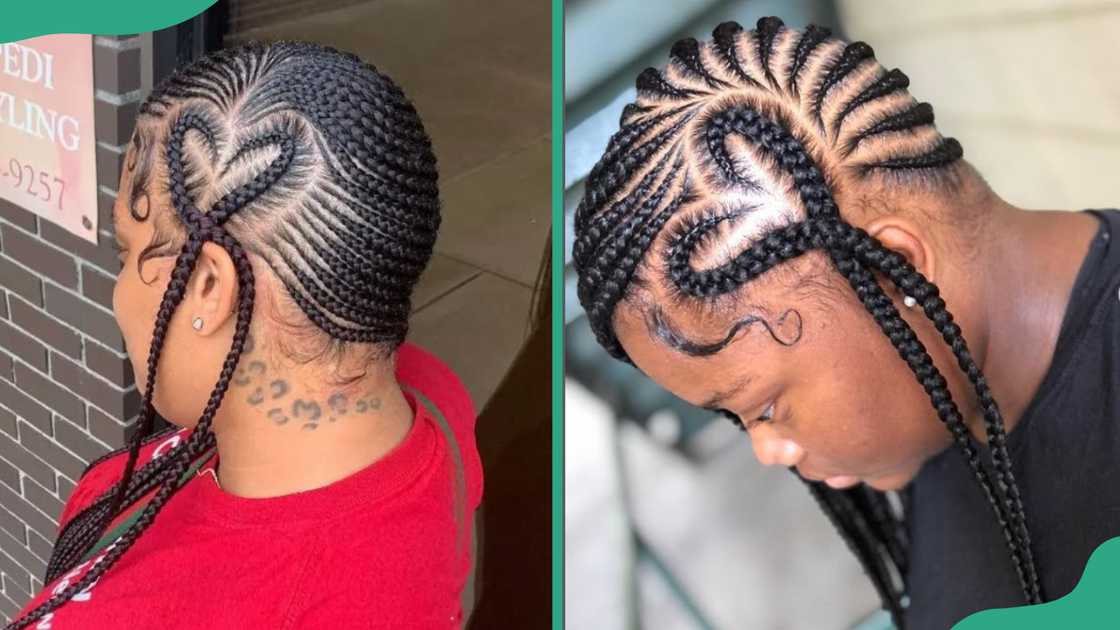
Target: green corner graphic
{"type": "Point", "coordinates": [1092, 604]}
{"type": "Point", "coordinates": [24, 20]}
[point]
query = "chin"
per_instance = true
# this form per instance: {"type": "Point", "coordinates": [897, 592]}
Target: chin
{"type": "Point", "coordinates": [181, 425]}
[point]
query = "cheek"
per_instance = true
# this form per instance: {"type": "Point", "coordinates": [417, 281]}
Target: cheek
{"type": "Point", "coordinates": [882, 423]}
{"type": "Point", "coordinates": [865, 412]}
{"type": "Point", "coordinates": [131, 306]}
{"type": "Point", "coordinates": [123, 297]}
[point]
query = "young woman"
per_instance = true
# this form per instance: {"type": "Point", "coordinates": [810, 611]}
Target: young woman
{"type": "Point", "coordinates": [776, 224]}
{"type": "Point", "coordinates": [276, 207]}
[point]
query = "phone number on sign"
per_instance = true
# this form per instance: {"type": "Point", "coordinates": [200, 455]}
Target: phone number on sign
{"type": "Point", "coordinates": [31, 181]}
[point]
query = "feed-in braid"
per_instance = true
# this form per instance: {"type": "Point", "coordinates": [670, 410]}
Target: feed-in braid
{"type": "Point", "coordinates": [889, 529]}
{"type": "Point", "coordinates": [725, 40]}
{"type": "Point", "coordinates": [767, 31]}
{"type": "Point", "coordinates": [811, 37]}
{"type": "Point", "coordinates": [307, 158]}
{"type": "Point", "coordinates": [822, 111]}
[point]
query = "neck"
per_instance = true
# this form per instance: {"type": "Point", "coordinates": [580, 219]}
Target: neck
{"type": "Point", "coordinates": [1028, 273]}
{"type": "Point", "coordinates": [280, 432]}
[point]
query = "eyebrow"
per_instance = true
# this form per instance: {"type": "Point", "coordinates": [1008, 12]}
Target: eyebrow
{"type": "Point", "coordinates": [715, 402]}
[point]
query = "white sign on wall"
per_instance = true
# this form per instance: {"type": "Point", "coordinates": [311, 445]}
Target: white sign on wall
{"type": "Point", "coordinates": [48, 159]}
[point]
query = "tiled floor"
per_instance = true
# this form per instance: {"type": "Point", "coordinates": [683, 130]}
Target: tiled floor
{"type": "Point", "coordinates": [479, 73]}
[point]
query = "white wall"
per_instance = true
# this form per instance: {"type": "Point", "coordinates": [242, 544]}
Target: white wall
{"type": "Point", "coordinates": [1031, 88]}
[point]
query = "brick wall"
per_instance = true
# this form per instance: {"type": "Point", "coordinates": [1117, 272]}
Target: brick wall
{"type": "Point", "coordinates": [1027, 86]}
{"type": "Point", "coordinates": [66, 385]}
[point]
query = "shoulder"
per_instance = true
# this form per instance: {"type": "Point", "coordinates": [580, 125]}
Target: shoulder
{"type": "Point", "coordinates": [156, 442]}
{"type": "Point", "coordinates": [103, 472]}
{"type": "Point", "coordinates": [422, 371]}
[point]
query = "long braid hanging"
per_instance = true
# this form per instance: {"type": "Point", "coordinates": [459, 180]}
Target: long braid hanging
{"type": "Point", "coordinates": [202, 227]}
{"type": "Point", "coordinates": [372, 217]}
{"type": "Point", "coordinates": [859, 534]}
{"type": "Point", "coordinates": [197, 224]}
{"type": "Point", "coordinates": [88, 525]}
{"type": "Point", "coordinates": [626, 207]}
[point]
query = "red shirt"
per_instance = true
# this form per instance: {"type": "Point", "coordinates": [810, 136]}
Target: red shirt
{"type": "Point", "coordinates": [376, 549]}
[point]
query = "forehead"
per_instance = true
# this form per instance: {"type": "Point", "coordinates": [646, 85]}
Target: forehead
{"type": "Point", "coordinates": [693, 378]}
{"type": "Point", "coordinates": [695, 347]}
{"type": "Point", "coordinates": [120, 214]}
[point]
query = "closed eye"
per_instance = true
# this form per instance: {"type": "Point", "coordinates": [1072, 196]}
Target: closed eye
{"type": "Point", "coordinates": [767, 415]}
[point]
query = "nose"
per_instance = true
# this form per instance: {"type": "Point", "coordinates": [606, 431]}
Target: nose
{"type": "Point", "coordinates": [773, 450]}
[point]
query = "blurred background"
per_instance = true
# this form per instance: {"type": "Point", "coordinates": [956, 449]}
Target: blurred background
{"type": "Point", "coordinates": [670, 521]}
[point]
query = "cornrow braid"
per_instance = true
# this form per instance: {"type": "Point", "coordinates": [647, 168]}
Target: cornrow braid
{"type": "Point", "coordinates": [810, 38]}
{"type": "Point", "coordinates": [342, 206]}
{"type": "Point", "coordinates": [887, 83]}
{"type": "Point", "coordinates": [853, 55]}
{"type": "Point", "coordinates": [767, 31]}
{"type": "Point", "coordinates": [918, 115]}
{"type": "Point", "coordinates": [687, 54]}
{"type": "Point", "coordinates": [809, 121]}
{"type": "Point", "coordinates": [725, 41]}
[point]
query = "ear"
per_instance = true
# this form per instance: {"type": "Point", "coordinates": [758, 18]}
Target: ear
{"type": "Point", "coordinates": [212, 291]}
{"type": "Point", "coordinates": [908, 239]}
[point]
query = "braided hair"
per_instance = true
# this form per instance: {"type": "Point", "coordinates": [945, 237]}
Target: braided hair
{"type": "Point", "coordinates": [314, 162]}
{"type": "Point", "coordinates": [794, 111]}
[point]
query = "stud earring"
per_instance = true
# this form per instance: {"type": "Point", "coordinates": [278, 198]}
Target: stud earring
{"type": "Point", "coordinates": [197, 323]}
{"type": "Point", "coordinates": [909, 301]}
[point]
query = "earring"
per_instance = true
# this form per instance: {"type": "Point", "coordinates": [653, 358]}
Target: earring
{"type": "Point", "coordinates": [197, 323]}
{"type": "Point", "coordinates": [909, 301]}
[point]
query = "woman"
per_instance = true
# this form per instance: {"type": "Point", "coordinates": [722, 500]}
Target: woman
{"type": "Point", "coordinates": [277, 205]}
{"type": "Point", "coordinates": [768, 191]}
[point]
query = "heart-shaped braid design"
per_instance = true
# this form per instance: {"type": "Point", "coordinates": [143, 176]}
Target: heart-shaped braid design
{"type": "Point", "coordinates": [343, 208]}
{"type": "Point", "coordinates": [724, 121]}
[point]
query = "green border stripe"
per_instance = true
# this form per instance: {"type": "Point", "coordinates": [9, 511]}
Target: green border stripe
{"type": "Point", "coordinates": [557, 314]}
{"type": "Point", "coordinates": [1091, 604]}
{"type": "Point", "coordinates": [24, 20]}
